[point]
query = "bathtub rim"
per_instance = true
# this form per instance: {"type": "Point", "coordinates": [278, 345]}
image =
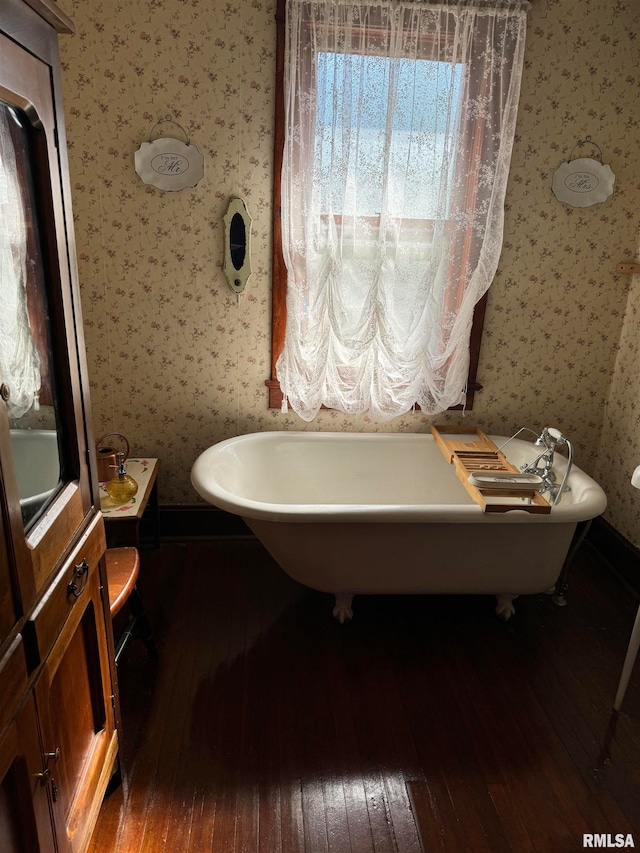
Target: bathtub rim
{"type": "Point", "coordinates": [592, 503]}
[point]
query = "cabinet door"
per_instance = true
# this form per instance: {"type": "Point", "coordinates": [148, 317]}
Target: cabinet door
{"type": "Point", "coordinates": [43, 439]}
{"type": "Point", "coordinates": [75, 709]}
{"type": "Point", "coordinates": [25, 820]}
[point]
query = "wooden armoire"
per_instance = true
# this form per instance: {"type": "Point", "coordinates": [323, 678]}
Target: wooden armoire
{"type": "Point", "coordinates": [58, 696]}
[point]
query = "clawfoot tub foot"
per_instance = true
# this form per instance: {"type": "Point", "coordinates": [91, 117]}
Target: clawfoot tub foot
{"type": "Point", "coordinates": [342, 611]}
{"type": "Point", "coordinates": [504, 606]}
{"type": "Point", "coordinates": [558, 593]}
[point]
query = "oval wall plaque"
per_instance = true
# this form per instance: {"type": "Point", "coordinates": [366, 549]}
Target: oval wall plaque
{"type": "Point", "coordinates": [583, 182]}
{"type": "Point", "coordinates": [169, 164]}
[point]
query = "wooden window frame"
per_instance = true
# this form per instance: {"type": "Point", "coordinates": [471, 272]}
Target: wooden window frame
{"type": "Point", "coordinates": [279, 269]}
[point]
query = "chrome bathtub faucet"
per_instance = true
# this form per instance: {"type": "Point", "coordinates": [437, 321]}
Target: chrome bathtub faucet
{"type": "Point", "coordinates": [550, 438]}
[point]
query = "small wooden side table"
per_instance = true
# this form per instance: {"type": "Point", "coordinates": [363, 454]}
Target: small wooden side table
{"type": "Point", "coordinates": [122, 521]}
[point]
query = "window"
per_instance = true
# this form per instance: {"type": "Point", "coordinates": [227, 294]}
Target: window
{"type": "Point", "coordinates": [393, 140]}
{"type": "Point", "coordinates": [417, 151]}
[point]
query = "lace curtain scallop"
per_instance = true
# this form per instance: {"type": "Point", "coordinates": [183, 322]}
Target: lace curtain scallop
{"type": "Point", "coordinates": [399, 125]}
{"type": "Point", "coordinates": [19, 359]}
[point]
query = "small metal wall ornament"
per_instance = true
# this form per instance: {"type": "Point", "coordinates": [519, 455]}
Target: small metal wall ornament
{"type": "Point", "coordinates": [583, 181]}
{"type": "Point", "coordinates": [237, 245]}
{"type": "Point", "coordinates": [168, 163]}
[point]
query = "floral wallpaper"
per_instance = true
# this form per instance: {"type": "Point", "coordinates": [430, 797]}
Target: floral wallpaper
{"type": "Point", "coordinates": [177, 361]}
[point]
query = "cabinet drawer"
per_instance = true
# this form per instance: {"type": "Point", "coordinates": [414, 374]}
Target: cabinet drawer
{"type": "Point", "coordinates": [13, 680]}
{"type": "Point", "coordinates": [67, 588]}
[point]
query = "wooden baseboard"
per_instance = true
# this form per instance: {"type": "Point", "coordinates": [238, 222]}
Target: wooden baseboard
{"type": "Point", "coordinates": [615, 550]}
{"type": "Point", "coordinates": [186, 523]}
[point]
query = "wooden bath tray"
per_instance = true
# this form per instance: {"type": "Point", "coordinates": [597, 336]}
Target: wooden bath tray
{"type": "Point", "coordinates": [469, 450]}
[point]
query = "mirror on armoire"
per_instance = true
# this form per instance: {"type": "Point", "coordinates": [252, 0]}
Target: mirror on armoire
{"type": "Point", "coordinates": [28, 371]}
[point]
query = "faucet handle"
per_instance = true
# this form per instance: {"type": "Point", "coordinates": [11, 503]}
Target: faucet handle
{"type": "Point", "coordinates": [550, 437]}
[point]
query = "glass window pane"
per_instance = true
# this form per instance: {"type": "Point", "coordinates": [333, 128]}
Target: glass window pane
{"type": "Point", "coordinates": [27, 357]}
{"type": "Point", "coordinates": [378, 117]}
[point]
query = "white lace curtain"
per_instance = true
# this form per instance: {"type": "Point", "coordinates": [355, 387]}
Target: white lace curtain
{"type": "Point", "coordinates": [19, 360]}
{"type": "Point", "coordinates": [399, 124]}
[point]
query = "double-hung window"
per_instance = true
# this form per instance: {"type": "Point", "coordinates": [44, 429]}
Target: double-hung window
{"type": "Point", "coordinates": [398, 122]}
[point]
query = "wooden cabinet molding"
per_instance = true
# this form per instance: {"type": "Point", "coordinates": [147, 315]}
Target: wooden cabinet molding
{"type": "Point", "coordinates": [53, 15]}
{"type": "Point", "coordinates": [9, 611]}
{"type": "Point", "coordinates": [48, 618]}
{"type": "Point", "coordinates": [13, 681]}
{"type": "Point", "coordinates": [58, 694]}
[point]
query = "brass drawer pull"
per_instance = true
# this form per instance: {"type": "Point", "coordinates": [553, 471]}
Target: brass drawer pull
{"type": "Point", "coordinates": [80, 571]}
{"type": "Point", "coordinates": [44, 777]}
{"type": "Point", "coordinates": [53, 756]}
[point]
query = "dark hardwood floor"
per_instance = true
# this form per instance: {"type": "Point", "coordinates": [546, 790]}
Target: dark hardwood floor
{"type": "Point", "coordinates": [426, 724]}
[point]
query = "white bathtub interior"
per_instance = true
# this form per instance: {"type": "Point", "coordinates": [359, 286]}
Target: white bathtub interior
{"type": "Point", "coordinates": [340, 471]}
{"type": "Point", "coordinates": [37, 465]}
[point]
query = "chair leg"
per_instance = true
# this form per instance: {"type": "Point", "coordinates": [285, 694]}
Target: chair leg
{"type": "Point", "coordinates": [141, 624]}
{"type": "Point", "coordinates": [138, 628]}
{"type": "Point", "coordinates": [630, 659]}
{"type": "Point", "coordinates": [123, 640]}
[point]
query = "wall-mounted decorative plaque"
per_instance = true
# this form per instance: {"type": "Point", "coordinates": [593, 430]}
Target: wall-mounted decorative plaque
{"type": "Point", "coordinates": [237, 246]}
{"type": "Point", "coordinates": [584, 181]}
{"type": "Point", "coordinates": [169, 164]}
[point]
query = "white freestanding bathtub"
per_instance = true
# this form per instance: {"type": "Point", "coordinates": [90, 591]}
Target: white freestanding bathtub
{"type": "Point", "coordinates": [380, 513]}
